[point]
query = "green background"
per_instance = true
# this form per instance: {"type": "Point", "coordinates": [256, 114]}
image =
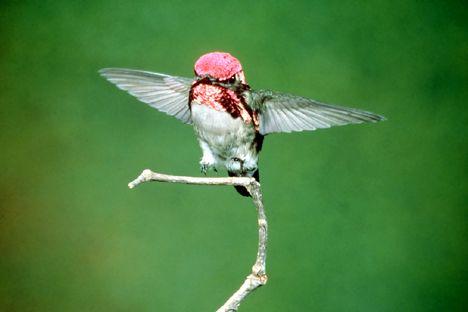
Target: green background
{"type": "Point", "coordinates": [362, 218]}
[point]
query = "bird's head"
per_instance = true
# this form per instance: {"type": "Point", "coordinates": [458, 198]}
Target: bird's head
{"type": "Point", "coordinates": [220, 66]}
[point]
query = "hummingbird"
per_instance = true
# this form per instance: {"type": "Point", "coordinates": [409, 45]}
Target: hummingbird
{"type": "Point", "coordinates": [230, 118]}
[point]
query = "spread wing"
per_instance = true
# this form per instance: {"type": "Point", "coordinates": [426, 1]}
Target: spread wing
{"type": "Point", "coordinates": [280, 112]}
{"type": "Point", "coordinates": [169, 94]}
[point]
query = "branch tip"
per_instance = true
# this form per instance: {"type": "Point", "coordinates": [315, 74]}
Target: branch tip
{"type": "Point", "coordinates": [258, 276]}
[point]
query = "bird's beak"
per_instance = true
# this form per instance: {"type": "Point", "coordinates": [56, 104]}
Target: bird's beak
{"type": "Point", "coordinates": [241, 77]}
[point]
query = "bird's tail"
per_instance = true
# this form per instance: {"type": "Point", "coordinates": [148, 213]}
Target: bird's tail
{"type": "Point", "coordinates": [241, 189]}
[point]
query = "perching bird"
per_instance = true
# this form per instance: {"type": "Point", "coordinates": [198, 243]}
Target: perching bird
{"type": "Point", "coordinates": [230, 119]}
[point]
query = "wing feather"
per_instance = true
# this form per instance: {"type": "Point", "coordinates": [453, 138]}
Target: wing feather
{"type": "Point", "coordinates": [280, 112]}
{"type": "Point", "coordinates": [168, 94]}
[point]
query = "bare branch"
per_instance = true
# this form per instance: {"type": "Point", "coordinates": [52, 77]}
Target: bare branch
{"type": "Point", "coordinates": [148, 175]}
{"type": "Point", "coordinates": [258, 275]}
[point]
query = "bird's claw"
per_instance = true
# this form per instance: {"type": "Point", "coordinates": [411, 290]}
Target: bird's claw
{"type": "Point", "coordinates": [203, 168]}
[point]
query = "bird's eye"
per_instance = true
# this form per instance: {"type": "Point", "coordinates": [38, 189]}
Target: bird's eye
{"type": "Point", "coordinates": [232, 79]}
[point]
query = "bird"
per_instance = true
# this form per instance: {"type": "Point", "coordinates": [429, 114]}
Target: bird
{"type": "Point", "coordinates": [230, 119]}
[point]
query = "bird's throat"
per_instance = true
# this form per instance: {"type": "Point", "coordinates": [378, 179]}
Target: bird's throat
{"type": "Point", "coordinates": [222, 99]}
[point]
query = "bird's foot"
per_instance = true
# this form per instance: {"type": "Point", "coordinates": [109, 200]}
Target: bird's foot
{"type": "Point", "coordinates": [207, 162]}
{"type": "Point", "coordinates": [204, 168]}
{"type": "Point", "coordinates": [243, 167]}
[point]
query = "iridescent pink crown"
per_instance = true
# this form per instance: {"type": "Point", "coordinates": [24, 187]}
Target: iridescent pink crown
{"type": "Point", "coordinates": [218, 65]}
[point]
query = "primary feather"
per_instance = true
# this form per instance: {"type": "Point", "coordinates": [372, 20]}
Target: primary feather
{"type": "Point", "coordinates": [281, 112]}
{"type": "Point", "coordinates": [168, 94]}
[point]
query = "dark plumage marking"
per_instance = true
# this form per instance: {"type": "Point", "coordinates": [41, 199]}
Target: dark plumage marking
{"type": "Point", "coordinates": [231, 101]}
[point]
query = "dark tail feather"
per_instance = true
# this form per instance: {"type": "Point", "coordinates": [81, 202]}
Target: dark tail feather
{"type": "Point", "coordinates": [241, 189]}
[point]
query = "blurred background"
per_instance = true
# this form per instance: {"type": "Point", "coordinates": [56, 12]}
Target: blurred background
{"type": "Point", "coordinates": [362, 218]}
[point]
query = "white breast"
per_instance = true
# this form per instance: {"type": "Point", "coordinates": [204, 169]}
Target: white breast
{"type": "Point", "coordinates": [226, 136]}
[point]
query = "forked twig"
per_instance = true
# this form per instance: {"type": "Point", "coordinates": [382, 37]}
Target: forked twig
{"type": "Point", "coordinates": [258, 275]}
